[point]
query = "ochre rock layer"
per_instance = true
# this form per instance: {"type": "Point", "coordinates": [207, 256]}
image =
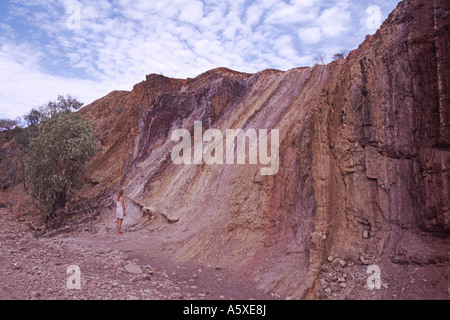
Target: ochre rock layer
{"type": "Point", "coordinates": [364, 157]}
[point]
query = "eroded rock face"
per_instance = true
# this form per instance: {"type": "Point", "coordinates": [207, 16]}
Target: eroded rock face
{"type": "Point", "coordinates": [364, 158]}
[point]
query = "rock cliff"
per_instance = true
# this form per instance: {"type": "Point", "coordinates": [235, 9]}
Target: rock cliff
{"type": "Point", "coordinates": [364, 165]}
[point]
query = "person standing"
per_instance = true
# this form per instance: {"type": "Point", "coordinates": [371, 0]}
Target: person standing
{"type": "Point", "coordinates": [120, 211]}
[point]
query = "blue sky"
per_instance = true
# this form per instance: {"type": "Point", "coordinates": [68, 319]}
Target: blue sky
{"type": "Point", "coordinates": [90, 48]}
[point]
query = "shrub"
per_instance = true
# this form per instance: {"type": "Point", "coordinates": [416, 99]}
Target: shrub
{"type": "Point", "coordinates": [58, 158]}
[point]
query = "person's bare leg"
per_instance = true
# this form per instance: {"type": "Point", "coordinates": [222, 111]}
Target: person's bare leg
{"type": "Point", "coordinates": [119, 226]}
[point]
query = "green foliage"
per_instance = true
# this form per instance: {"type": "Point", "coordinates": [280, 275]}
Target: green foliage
{"type": "Point", "coordinates": [33, 118]}
{"type": "Point", "coordinates": [58, 158]}
{"type": "Point", "coordinates": [51, 109]}
{"type": "Point", "coordinates": [61, 105]}
{"type": "Point", "coordinates": [23, 136]}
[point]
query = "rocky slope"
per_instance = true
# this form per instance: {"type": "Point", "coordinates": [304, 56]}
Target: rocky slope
{"type": "Point", "coordinates": [363, 169]}
{"type": "Point", "coordinates": [38, 268]}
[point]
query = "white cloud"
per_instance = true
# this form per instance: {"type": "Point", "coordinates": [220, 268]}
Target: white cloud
{"type": "Point", "coordinates": [254, 14]}
{"type": "Point", "coordinates": [297, 12]}
{"type": "Point", "coordinates": [335, 20]}
{"type": "Point", "coordinates": [191, 12]}
{"type": "Point", "coordinates": [7, 31]}
{"type": "Point", "coordinates": [310, 35]}
{"type": "Point", "coordinates": [27, 87]}
{"type": "Point", "coordinates": [117, 45]}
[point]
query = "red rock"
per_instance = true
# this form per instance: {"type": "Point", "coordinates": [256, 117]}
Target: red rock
{"type": "Point", "coordinates": [364, 145]}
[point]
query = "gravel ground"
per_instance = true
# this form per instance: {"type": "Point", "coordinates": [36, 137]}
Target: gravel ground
{"type": "Point", "coordinates": [110, 268]}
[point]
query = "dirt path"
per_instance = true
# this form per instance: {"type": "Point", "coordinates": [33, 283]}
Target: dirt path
{"type": "Point", "coordinates": [135, 266]}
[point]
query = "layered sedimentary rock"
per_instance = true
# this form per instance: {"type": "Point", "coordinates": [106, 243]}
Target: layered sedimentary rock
{"type": "Point", "coordinates": [364, 158]}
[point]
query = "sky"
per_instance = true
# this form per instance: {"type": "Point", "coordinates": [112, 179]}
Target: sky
{"type": "Point", "coordinates": [90, 48]}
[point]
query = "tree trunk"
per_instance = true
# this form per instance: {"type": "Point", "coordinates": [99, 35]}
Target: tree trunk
{"type": "Point", "coordinates": [60, 203]}
{"type": "Point", "coordinates": [61, 199]}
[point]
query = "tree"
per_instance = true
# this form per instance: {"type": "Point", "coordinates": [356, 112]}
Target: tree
{"type": "Point", "coordinates": [321, 59]}
{"type": "Point", "coordinates": [51, 109]}
{"type": "Point", "coordinates": [22, 137]}
{"type": "Point", "coordinates": [7, 124]}
{"type": "Point", "coordinates": [61, 105]}
{"type": "Point", "coordinates": [58, 158]}
{"type": "Point", "coordinates": [33, 118]}
{"type": "Point", "coordinates": [340, 55]}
